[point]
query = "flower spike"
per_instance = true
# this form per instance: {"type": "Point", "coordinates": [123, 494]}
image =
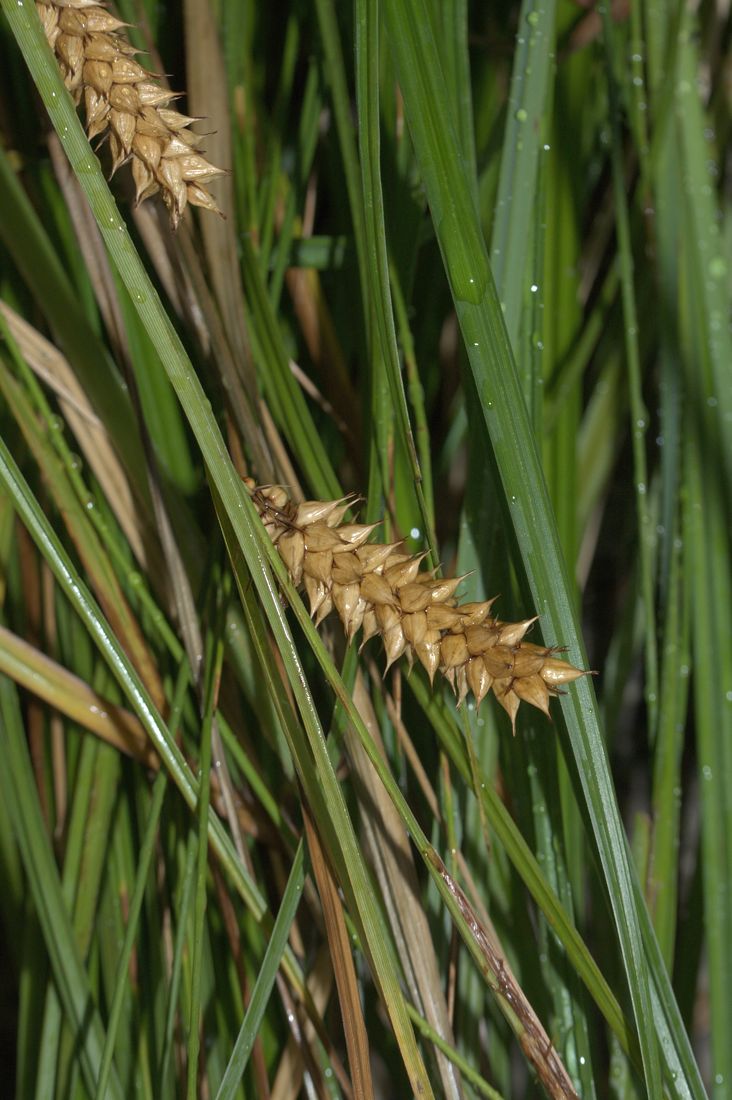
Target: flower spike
{"type": "Point", "coordinates": [380, 588]}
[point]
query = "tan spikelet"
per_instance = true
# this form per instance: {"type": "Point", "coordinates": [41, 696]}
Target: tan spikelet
{"type": "Point", "coordinates": [125, 103]}
{"type": "Point", "coordinates": [380, 589]}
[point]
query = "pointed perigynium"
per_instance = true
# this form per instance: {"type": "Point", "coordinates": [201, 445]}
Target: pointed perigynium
{"type": "Point", "coordinates": [380, 589]}
{"type": "Point", "coordinates": [123, 101]}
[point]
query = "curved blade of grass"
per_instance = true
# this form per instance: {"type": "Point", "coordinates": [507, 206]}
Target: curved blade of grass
{"type": "Point", "coordinates": [265, 978]}
{"type": "Point", "coordinates": [506, 419]}
{"type": "Point", "coordinates": [72, 696]}
{"type": "Point", "coordinates": [480, 1085]}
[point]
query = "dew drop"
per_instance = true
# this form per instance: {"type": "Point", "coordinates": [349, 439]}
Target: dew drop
{"type": "Point", "coordinates": [533, 18]}
{"type": "Point", "coordinates": [717, 267]}
{"type": "Point", "coordinates": [521, 115]}
{"type": "Point", "coordinates": [415, 533]}
{"type": "Point", "coordinates": [468, 281]}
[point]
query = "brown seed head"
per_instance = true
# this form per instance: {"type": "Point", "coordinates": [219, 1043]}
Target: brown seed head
{"type": "Point", "coordinates": [125, 104]}
{"type": "Point", "coordinates": [380, 589]}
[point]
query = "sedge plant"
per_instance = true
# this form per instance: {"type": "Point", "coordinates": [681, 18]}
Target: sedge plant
{"type": "Point", "coordinates": [472, 265]}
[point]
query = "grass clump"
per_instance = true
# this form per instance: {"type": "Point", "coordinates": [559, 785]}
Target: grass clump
{"type": "Point", "coordinates": [474, 265]}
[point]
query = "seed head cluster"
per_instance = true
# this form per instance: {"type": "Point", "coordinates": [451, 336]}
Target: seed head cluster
{"type": "Point", "coordinates": [381, 590]}
{"type": "Point", "coordinates": [124, 102]}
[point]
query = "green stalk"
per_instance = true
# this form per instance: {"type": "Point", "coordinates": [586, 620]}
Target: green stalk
{"type": "Point", "coordinates": [506, 419]}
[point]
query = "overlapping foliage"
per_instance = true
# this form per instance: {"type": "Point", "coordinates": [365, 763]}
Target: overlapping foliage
{"type": "Point", "coordinates": [474, 265]}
